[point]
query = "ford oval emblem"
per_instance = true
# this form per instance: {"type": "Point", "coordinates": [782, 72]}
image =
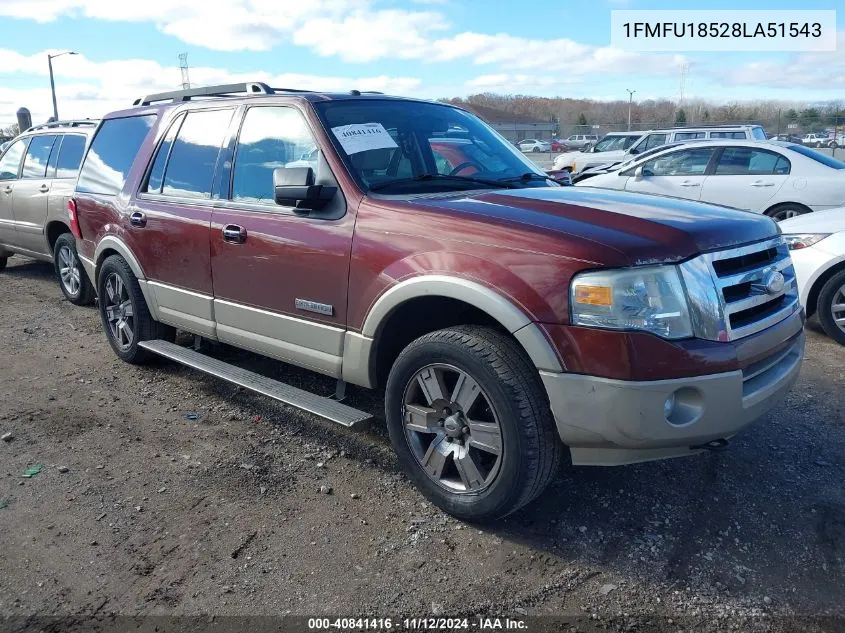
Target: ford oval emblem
{"type": "Point", "coordinates": [774, 282]}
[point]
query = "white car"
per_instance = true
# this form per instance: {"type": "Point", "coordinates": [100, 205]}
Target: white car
{"type": "Point", "coordinates": [817, 242]}
{"type": "Point", "coordinates": [611, 148]}
{"type": "Point", "coordinates": [533, 145]}
{"type": "Point", "coordinates": [782, 180]}
{"type": "Point", "coordinates": [816, 140]}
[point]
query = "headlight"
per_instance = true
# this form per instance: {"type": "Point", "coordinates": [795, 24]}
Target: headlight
{"type": "Point", "coordinates": [797, 241]}
{"type": "Point", "coordinates": [650, 298]}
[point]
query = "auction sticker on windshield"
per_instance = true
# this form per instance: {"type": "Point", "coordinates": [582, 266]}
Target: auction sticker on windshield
{"type": "Point", "coordinates": [361, 137]}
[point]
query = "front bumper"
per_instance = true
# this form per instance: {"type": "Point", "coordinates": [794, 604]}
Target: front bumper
{"type": "Point", "coordinates": [607, 422]}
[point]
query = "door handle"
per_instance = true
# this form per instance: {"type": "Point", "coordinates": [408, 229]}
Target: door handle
{"type": "Point", "coordinates": [760, 183]}
{"type": "Point", "coordinates": [8, 189]}
{"type": "Point", "coordinates": [44, 188]}
{"type": "Point", "coordinates": [234, 234]}
{"type": "Point", "coordinates": [687, 183]}
{"type": "Point", "coordinates": [138, 219]}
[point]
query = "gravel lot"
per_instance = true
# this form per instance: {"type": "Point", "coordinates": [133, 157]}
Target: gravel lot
{"type": "Point", "coordinates": [141, 511]}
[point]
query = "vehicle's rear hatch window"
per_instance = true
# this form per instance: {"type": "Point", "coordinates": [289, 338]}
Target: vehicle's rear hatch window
{"type": "Point", "coordinates": [112, 153]}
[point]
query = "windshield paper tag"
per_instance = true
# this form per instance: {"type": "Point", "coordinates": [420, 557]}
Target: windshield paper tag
{"type": "Point", "coordinates": [361, 137]}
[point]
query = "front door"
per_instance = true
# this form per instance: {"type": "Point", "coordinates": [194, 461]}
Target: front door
{"type": "Point", "coordinates": [10, 166]}
{"type": "Point", "coordinates": [680, 173]}
{"type": "Point", "coordinates": [280, 276]}
{"type": "Point", "coordinates": [746, 177]}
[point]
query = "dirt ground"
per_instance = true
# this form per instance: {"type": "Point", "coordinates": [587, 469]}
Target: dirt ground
{"type": "Point", "coordinates": [141, 511]}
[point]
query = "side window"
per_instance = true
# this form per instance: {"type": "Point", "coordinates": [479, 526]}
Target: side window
{"type": "Point", "coordinates": [734, 135]}
{"type": "Point", "coordinates": [190, 168]}
{"type": "Point", "coordinates": [70, 156]}
{"type": "Point", "coordinates": [271, 137]}
{"type": "Point", "coordinates": [112, 153]}
{"type": "Point", "coordinates": [741, 161]}
{"type": "Point", "coordinates": [37, 155]}
{"type": "Point", "coordinates": [156, 177]}
{"type": "Point", "coordinates": [690, 162]}
{"type": "Point", "coordinates": [686, 136]}
{"type": "Point", "coordinates": [652, 140]}
{"type": "Point", "coordinates": [10, 163]}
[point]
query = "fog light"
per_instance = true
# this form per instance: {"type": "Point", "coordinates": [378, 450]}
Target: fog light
{"type": "Point", "coordinates": [669, 406]}
{"type": "Point", "coordinates": [684, 406]}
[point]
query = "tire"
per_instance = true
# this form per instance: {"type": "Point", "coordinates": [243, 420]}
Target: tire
{"type": "Point", "coordinates": [536, 150]}
{"type": "Point", "coordinates": [833, 294]}
{"type": "Point", "coordinates": [118, 289]}
{"type": "Point", "coordinates": [509, 398]}
{"type": "Point", "coordinates": [787, 210]}
{"type": "Point", "coordinates": [72, 278]}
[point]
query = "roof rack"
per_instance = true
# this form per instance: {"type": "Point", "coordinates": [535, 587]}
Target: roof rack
{"type": "Point", "coordinates": [225, 90]}
{"type": "Point", "coordinates": [71, 123]}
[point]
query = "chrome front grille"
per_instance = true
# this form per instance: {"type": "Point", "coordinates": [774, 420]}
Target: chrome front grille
{"type": "Point", "coordinates": [740, 291]}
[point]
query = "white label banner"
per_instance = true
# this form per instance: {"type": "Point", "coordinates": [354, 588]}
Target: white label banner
{"type": "Point", "coordinates": [360, 137]}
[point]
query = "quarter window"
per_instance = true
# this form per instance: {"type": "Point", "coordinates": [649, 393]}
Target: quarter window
{"type": "Point", "coordinates": [112, 153]}
{"type": "Point", "coordinates": [70, 156]}
{"type": "Point", "coordinates": [740, 161]}
{"type": "Point", "coordinates": [10, 163]}
{"type": "Point", "coordinates": [690, 162]}
{"type": "Point", "coordinates": [190, 168]}
{"type": "Point", "coordinates": [37, 155]}
{"type": "Point", "coordinates": [157, 172]}
{"type": "Point", "coordinates": [271, 137]}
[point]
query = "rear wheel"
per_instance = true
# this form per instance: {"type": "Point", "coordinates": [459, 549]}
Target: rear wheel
{"type": "Point", "coordinates": [535, 150]}
{"type": "Point", "coordinates": [787, 210]}
{"type": "Point", "coordinates": [831, 307]}
{"type": "Point", "coordinates": [471, 423]}
{"type": "Point", "coordinates": [73, 280]}
{"type": "Point", "coordinates": [124, 312]}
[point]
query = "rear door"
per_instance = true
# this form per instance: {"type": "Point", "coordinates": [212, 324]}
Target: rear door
{"type": "Point", "coordinates": [10, 167]}
{"type": "Point", "coordinates": [680, 173]}
{"type": "Point", "coordinates": [63, 170]}
{"type": "Point", "coordinates": [746, 178]}
{"type": "Point", "coordinates": [32, 193]}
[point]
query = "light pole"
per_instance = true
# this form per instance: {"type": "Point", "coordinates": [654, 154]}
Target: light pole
{"type": "Point", "coordinates": [630, 102]}
{"type": "Point", "coordinates": [52, 83]}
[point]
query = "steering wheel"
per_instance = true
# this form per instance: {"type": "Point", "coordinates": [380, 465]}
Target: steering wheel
{"type": "Point", "coordinates": [463, 166]}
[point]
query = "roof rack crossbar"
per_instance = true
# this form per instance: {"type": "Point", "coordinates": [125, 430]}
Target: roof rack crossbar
{"type": "Point", "coordinates": [69, 123]}
{"type": "Point", "coordinates": [225, 90]}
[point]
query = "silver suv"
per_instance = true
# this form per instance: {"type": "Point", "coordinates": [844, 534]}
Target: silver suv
{"type": "Point", "coordinates": [37, 175]}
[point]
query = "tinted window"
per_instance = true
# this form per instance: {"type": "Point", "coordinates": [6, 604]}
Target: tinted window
{"type": "Point", "coordinates": [190, 169]}
{"type": "Point", "coordinates": [758, 133]}
{"type": "Point", "coordinates": [270, 138]}
{"type": "Point", "coordinates": [653, 140]}
{"type": "Point", "coordinates": [112, 153]}
{"type": "Point", "coordinates": [685, 136]}
{"type": "Point", "coordinates": [35, 162]}
{"type": "Point", "coordinates": [736, 161]}
{"type": "Point", "coordinates": [70, 156]}
{"type": "Point", "coordinates": [736, 135]}
{"type": "Point", "coordinates": [613, 143]}
{"type": "Point", "coordinates": [688, 162]}
{"type": "Point", "coordinates": [11, 161]}
{"type": "Point", "coordinates": [157, 172]}
{"type": "Point", "coordinates": [824, 159]}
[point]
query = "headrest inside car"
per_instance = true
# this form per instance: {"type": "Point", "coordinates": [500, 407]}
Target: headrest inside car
{"type": "Point", "coordinates": [372, 160]}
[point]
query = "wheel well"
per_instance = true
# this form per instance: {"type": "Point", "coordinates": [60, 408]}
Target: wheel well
{"type": "Point", "coordinates": [786, 204]}
{"type": "Point", "coordinates": [813, 295]}
{"type": "Point", "coordinates": [417, 317]}
{"type": "Point", "coordinates": [107, 252]}
{"type": "Point", "coordinates": [54, 230]}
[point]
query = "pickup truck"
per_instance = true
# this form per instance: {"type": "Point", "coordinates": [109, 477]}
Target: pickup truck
{"type": "Point", "coordinates": [403, 245]}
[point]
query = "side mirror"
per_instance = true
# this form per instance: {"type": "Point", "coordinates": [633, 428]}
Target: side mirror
{"type": "Point", "coordinates": [639, 173]}
{"type": "Point", "coordinates": [294, 187]}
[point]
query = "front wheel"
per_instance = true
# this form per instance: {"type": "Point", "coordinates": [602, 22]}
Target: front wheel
{"type": "Point", "coordinates": [831, 307]}
{"type": "Point", "coordinates": [73, 280]}
{"type": "Point", "coordinates": [124, 312]}
{"type": "Point", "coordinates": [471, 423]}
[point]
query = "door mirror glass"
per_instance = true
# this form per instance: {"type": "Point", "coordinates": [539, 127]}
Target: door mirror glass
{"type": "Point", "coordinates": [294, 187]}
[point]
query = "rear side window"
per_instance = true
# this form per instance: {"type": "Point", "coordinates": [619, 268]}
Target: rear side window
{"type": "Point", "coordinates": [70, 156]}
{"type": "Point", "coordinates": [112, 153]}
{"type": "Point", "coordinates": [37, 155]}
{"type": "Point", "coordinates": [735, 135]}
{"type": "Point", "coordinates": [10, 163]}
{"type": "Point", "coordinates": [190, 168]}
{"type": "Point", "coordinates": [741, 161]}
{"type": "Point", "coordinates": [157, 172]}
{"type": "Point", "coordinates": [686, 136]}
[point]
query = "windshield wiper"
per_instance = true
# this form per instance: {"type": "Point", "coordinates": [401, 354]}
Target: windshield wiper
{"type": "Point", "coordinates": [430, 177]}
{"type": "Point", "coordinates": [526, 177]}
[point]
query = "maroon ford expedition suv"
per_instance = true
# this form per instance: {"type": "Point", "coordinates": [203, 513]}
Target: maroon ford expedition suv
{"type": "Point", "coordinates": [403, 245]}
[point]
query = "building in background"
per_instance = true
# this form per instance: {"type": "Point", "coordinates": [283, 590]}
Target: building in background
{"type": "Point", "coordinates": [514, 127]}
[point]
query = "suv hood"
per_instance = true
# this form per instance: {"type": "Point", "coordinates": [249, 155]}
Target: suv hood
{"type": "Point", "coordinates": [611, 228]}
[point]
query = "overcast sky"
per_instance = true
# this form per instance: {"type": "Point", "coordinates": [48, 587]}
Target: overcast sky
{"type": "Point", "coordinates": [428, 48]}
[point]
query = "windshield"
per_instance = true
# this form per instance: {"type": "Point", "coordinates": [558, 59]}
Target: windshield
{"type": "Point", "coordinates": [400, 147]}
{"type": "Point", "coordinates": [824, 159]}
{"type": "Point", "coordinates": [613, 143]}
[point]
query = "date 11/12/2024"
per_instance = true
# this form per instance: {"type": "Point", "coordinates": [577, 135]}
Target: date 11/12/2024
{"type": "Point", "coordinates": [418, 624]}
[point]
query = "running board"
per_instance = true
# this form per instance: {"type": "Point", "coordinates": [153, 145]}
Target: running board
{"type": "Point", "coordinates": [305, 400]}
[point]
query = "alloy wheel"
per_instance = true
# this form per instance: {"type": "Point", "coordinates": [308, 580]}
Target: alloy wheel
{"type": "Point", "coordinates": [452, 429]}
{"type": "Point", "coordinates": [69, 271]}
{"type": "Point", "coordinates": [837, 308]}
{"type": "Point", "coordinates": [120, 314]}
{"type": "Point", "coordinates": [786, 213]}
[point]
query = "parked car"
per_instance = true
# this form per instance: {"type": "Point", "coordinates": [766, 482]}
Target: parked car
{"type": "Point", "coordinates": [613, 165]}
{"type": "Point", "coordinates": [817, 242]}
{"type": "Point", "coordinates": [580, 141]}
{"type": "Point", "coordinates": [535, 145]}
{"type": "Point", "coordinates": [781, 180]}
{"type": "Point", "coordinates": [4, 145]}
{"type": "Point", "coordinates": [655, 138]}
{"type": "Point", "coordinates": [558, 145]}
{"type": "Point", "coordinates": [816, 140]}
{"type": "Point", "coordinates": [37, 174]}
{"type": "Point", "coordinates": [789, 138]}
{"type": "Point", "coordinates": [611, 147]}
{"type": "Point", "coordinates": [504, 316]}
